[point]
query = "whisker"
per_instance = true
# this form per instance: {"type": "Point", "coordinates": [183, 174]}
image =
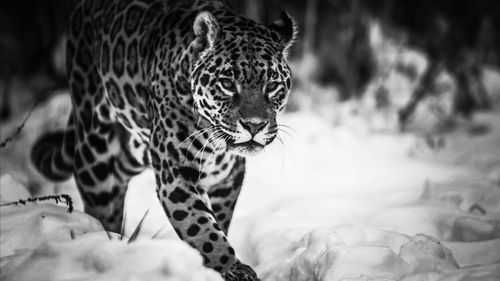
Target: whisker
{"type": "Point", "coordinates": [289, 135]}
{"type": "Point", "coordinates": [199, 118]}
{"type": "Point", "coordinates": [226, 140]}
{"type": "Point", "coordinates": [208, 131]}
{"type": "Point", "coordinates": [198, 135]}
{"type": "Point", "coordinates": [208, 159]}
{"type": "Point", "coordinates": [211, 137]}
{"type": "Point", "coordinates": [195, 132]}
{"type": "Point", "coordinates": [218, 144]}
{"type": "Point", "coordinates": [288, 127]}
{"type": "Point", "coordinates": [281, 130]}
{"type": "Point", "coordinates": [285, 148]}
{"type": "Point", "coordinates": [278, 137]}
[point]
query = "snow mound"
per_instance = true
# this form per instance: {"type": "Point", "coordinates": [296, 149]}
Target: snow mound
{"type": "Point", "coordinates": [355, 253]}
{"type": "Point", "coordinates": [94, 257]}
{"type": "Point", "coordinates": [44, 241]}
{"type": "Point", "coordinates": [27, 226]}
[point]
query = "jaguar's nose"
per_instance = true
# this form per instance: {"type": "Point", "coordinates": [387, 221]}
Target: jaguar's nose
{"type": "Point", "coordinates": [253, 125]}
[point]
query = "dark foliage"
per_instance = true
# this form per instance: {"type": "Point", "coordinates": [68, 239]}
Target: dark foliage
{"type": "Point", "coordinates": [457, 35]}
{"type": "Point", "coordinates": [29, 33]}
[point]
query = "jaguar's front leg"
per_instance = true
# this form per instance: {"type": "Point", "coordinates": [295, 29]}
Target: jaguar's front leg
{"type": "Point", "coordinates": [189, 210]}
{"type": "Point", "coordinates": [224, 195]}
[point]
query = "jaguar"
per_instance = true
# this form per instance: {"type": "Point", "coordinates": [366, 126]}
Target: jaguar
{"type": "Point", "coordinates": [189, 88]}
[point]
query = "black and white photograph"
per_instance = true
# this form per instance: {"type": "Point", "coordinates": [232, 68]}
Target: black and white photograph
{"type": "Point", "coordinates": [250, 140]}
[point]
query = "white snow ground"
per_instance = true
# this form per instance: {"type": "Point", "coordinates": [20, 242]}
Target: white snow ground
{"type": "Point", "coordinates": [43, 242]}
{"type": "Point", "coordinates": [333, 203]}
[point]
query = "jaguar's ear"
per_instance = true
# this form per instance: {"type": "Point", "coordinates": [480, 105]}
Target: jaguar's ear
{"type": "Point", "coordinates": [286, 29]}
{"type": "Point", "coordinates": [206, 29]}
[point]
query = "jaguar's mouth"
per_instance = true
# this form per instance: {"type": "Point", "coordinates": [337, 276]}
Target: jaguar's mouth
{"type": "Point", "coordinates": [247, 144]}
{"type": "Point", "coordinates": [247, 148]}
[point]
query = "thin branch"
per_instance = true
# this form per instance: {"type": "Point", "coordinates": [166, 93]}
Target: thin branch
{"type": "Point", "coordinates": [20, 127]}
{"type": "Point", "coordinates": [64, 198]}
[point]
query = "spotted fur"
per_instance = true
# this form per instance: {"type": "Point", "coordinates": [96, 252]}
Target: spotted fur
{"type": "Point", "coordinates": [187, 87]}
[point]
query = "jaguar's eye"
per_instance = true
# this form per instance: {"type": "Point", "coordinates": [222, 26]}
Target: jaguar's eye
{"type": "Point", "coordinates": [271, 86]}
{"type": "Point", "coordinates": [228, 84]}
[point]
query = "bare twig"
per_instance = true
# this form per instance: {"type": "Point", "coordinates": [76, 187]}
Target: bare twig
{"type": "Point", "coordinates": [20, 127]}
{"type": "Point", "coordinates": [64, 198]}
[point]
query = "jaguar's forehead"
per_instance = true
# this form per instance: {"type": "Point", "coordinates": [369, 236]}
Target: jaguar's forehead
{"type": "Point", "coordinates": [247, 51]}
{"type": "Point", "coordinates": [247, 69]}
{"type": "Point", "coordinates": [240, 34]}
{"type": "Point", "coordinates": [248, 56]}
{"type": "Point", "coordinates": [248, 43]}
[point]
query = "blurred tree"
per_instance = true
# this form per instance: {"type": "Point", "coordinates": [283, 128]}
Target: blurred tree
{"type": "Point", "coordinates": [29, 32]}
{"type": "Point", "coordinates": [310, 27]}
{"type": "Point", "coordinates": [454, 34]}
{"type": "Point", "coordinates": [343, 48]}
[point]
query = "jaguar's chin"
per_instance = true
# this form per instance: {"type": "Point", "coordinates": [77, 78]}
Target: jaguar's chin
{"type": "Point", "coordinates": [248, 148]}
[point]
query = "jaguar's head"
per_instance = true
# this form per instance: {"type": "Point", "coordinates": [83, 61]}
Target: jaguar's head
{"type": "Point", "coordinates": [241, 79]}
